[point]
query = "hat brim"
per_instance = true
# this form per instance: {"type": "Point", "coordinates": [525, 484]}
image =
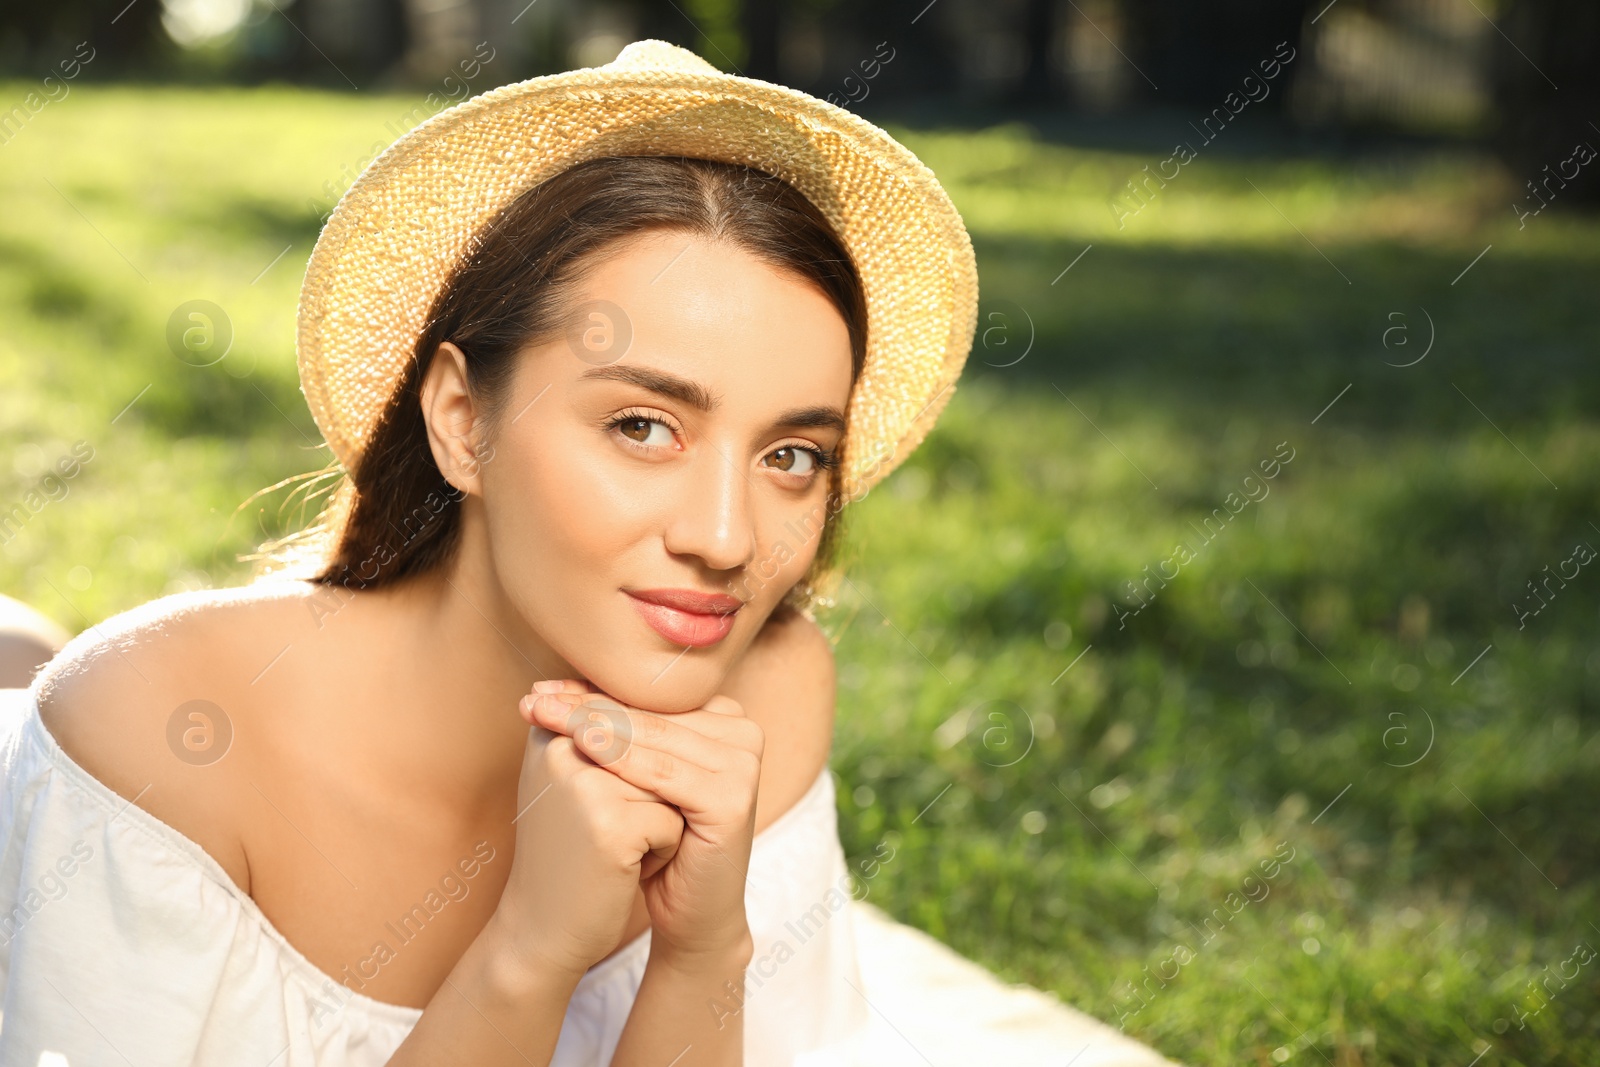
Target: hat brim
{"type": "Point", "coordinates": [401, 229]}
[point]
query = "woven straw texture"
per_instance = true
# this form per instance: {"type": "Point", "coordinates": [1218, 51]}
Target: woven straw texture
{"type": "Point", "coordinates": [401, 228]}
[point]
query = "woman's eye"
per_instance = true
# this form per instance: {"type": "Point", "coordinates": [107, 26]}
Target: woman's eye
{"type": "Point", "coordinates": [792, 460]}
{"type": "Point", "coordinates": [651, 432]}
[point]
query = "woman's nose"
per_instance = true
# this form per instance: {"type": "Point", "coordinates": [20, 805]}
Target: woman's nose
{"type": "Point", "coordinates": [712, 519]}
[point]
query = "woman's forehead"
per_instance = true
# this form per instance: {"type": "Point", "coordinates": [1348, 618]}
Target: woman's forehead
{"type": "Point", "coordinates": [712, 313]}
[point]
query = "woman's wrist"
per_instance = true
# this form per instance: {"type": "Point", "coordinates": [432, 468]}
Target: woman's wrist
{"type": "Point", "coordinates": [720, 960]}
{"type": "Point", "coordinates": [514, 962]}
{"type": "Point", "coordinates": [500, 1004]}
{"type": "Point", "coordinates": [688, 998]}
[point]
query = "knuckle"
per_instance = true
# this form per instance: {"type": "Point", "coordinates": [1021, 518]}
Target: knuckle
{"type": "Point", "coordinates": [558, 755]}
{"type": "Point", "coordinates": [649, 728]}
{"type": "Point", "coordinates": [744, 794]}
{"type": "Point", "coordinates": [604, 822]}
{"type": "Point", "coordinates": [606, 732]}
{"type": "Point", "coordinates": [750, 764]}
{"type": "Point", "coordinates": [590, 784]}
{"type": "Point", "coordinates": [665, 767]}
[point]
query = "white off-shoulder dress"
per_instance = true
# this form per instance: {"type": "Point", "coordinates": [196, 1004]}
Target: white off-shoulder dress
{"type": "Point", "coordinates": [123, 942]}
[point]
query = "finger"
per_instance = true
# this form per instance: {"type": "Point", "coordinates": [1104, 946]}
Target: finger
{"type": "Point", "coordinates": [723, 705]}
{"type": "Point", "coordinates": [606, 726]}
{"type": "Point", "coordinates": [719, 707]}
{"type": "Point", "coordinates": [735, 730]}
{"type": "Point", "coordinates": [721, 718]}
{"type": "Point", "coordinates": [560, 685]}
{"type": "Point", "coordinates": [605, 730]}
{"type": "Point", "coordinates": [711, 795]}
{"type": "Point", "coordinates": [661, 829]}
{"type": "Point", "coordinates": [561, 713]}
{"type": "Point", "coordinates": [676, 732]}
{"type": "Point", "coordinates": [564, 698]}
{"type": "Point", "coordinates": [677, 781]}
{"type": "Point", "coordinates": [650, 865]}
{"type": "Point", "coordinates": [565, 760]}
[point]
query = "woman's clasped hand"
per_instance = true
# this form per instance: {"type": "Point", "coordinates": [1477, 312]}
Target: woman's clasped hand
{"type": "Point", "coordinates": [613, 799]}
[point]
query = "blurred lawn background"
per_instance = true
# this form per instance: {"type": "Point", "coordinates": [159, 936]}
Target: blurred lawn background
{"type": "Point", "coordinates": [1055, 786]}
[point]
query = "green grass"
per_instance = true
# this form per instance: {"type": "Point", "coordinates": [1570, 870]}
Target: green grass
{"type": "Point", "coordinates": [1076, 829]}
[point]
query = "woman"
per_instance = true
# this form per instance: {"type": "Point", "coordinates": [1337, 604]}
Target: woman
{"type": "Point", "coordinates": [520, 754]}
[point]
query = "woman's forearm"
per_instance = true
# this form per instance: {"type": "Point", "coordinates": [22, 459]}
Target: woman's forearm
{"type": "Point", "coordinates": [692, 1009]}
{"type": "Point", "coordinates": [497, 1006]}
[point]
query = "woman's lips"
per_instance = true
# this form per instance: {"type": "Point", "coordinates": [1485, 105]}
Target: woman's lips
{"type": "Point", "coordinates": [686, 617]}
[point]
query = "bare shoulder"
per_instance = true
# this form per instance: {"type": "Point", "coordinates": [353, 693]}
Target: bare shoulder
{"type": "Point", "coordinates": [137, 701]}
{"type": "Point", "coordinates": [785, 681]}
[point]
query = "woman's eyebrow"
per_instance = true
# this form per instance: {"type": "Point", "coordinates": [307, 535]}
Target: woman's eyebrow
{"type": "Point", "coordinates": [692, 393]}
{"type": "Point", "coordinates": [821, 416]}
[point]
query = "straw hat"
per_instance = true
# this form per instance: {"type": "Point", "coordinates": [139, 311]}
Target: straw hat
{"type": "Point", "coordinates": [401, 228]}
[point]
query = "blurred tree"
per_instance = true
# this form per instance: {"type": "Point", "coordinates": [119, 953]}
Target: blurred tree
{"type": "Point", "coordinates": [133, 35]}
{"type": "Point", "coordinates": [759, 21]}
{"type": "Point", "coordinates": [1547, 96]}
{"type": "Point", "coordinates": [126, 37]}
{"type": "Point", "coordinates": [1040, 28]}
{"type": "Point", "coordinates": [1197, 53]}
{"type": "Point", "coordinates": [718, 25]}
{"type": "Point", "coordinates": [927, 55]}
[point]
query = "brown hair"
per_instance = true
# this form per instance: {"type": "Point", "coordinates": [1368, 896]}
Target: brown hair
{"type": "Point", "coordinates": [395, 514]}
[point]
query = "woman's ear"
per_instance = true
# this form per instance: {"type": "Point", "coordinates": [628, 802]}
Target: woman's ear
{"type": "Point", "coordinates": [452, 419]}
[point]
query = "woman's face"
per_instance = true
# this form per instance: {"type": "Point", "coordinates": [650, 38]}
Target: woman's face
{"type": "Point", "coordinates": [664, 463]}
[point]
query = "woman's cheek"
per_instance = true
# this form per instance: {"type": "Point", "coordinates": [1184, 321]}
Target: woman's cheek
{"type": "Point", "coordinates": [783, 561]}
{"type": "Point", "coordinates": [546, 511]}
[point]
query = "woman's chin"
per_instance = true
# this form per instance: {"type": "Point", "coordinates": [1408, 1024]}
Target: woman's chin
{"type": "Point", "coordinates": [672, 687]}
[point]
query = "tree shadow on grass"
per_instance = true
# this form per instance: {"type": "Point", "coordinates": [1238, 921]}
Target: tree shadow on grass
{"type": "Point", "coordinates": [184, 398]}
{"type": "Point", "coordinates": [1208, 333]}
{"type": "Point", "coordinates": [244, 220]}
{"type": "Point", "coordinates": [1195, 338]}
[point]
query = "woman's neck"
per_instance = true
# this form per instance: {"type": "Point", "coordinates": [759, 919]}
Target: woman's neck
{"type": "Point", "coordinates": [451, 657]}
